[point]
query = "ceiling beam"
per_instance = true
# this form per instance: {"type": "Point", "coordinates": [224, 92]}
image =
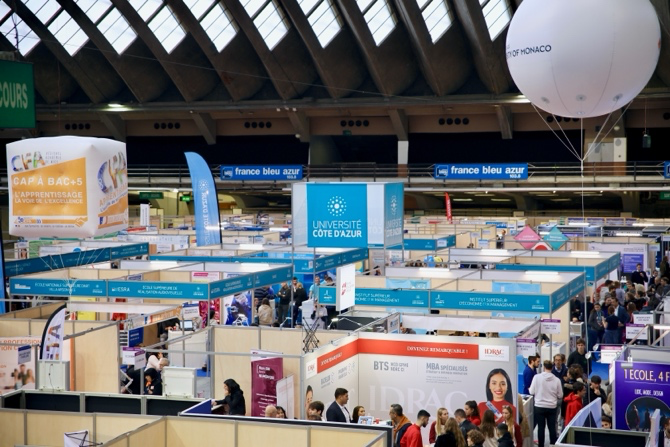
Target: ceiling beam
{"type": "Point", "coordinates": [282, 83]}
{"type": "Point", "coordinates": [207, 126]}
{"type": "Point", "coordinates": [300, 123]}
{"type": "Point", "coordinates": [90, 88]}
{"type": "Point", "coordinates": [506, 121]}
{"type": "Point", "coordinates": [115, 125]}
{"type": "Point", "coordinates": [488, 55]}
{"type": "Point", "coordinates": [146, 84]}
{"type": "Point", "coordinates": [391, 64]}
{"type": "Point", "coordinates": [180, 75]}
{"type": "Point", "coordinates": [400, 123]}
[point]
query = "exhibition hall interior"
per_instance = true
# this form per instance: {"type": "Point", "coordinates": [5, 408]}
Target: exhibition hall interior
{"type": "Point", "coordinates": [375, 223]}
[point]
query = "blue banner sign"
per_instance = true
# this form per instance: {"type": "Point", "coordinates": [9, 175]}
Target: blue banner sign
{"type": "Point", "coordinates": [614, 262]}
{"type": "Point", "coordinates": [154, 289]}
{"type": "Point", "coordinates": [327, 295]}
{"type": "Point", "coordinates": [135, 336]}
{"type": "Point", "coordinates": [77, 258]}
{"type": "Point", "coordinates": [231, 286]}
{"type": "Point", "coordinates": [57, 287]}
{"type": "Point", "coordinates": [337, 216]}
{"type": "Point", "coordinates": [206, 203]}
{"type": "Point", "coordinates": [26, 266]}
{"type": "Point", "coordinates": [127, 251]}
{"type": "Point", "coordinates": [392, 298]}
{"type": "Point", "coordinates": [489, 301]}
{"type": "Point", "coordinates": [588, 270]}
{"type": "Point", "coordinates": [630, 261]}
{"type": "Point", "coordinates": [560, 297]}
{"type": "Point", "coordinates": [482, 171]}
{"type": "Point", "coordinates": [394, 206]}
{"type": "Point", "coordinates": [666, 169]}
{"type": "Point", "coordinates": [274, 276]}
{"type": "Point", "coordinates": [262, 172]}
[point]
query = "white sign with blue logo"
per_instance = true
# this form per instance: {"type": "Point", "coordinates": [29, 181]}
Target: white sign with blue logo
{"type": "Point", "coordinates": [348, 215]}
{"type": "Point", "coordinates": [482, 171]}
{"type": "Point", "coordinates": [261, 172]}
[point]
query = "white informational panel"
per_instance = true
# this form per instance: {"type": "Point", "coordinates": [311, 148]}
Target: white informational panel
{"type": "Point", "coordinates": [53, 375]}
{"type": "Point", "coordinates": [346, 287]}
{"type": "Point", "coordinates": [15, 374]}
{"type": "Point", "coordinates": [330, 367]}
{"type": "Point", "coordinates": [179, 382]}
{"type": "Point", "coordinates": [285, 395]}
{"type": "Point", "coordinates": [67, 187]}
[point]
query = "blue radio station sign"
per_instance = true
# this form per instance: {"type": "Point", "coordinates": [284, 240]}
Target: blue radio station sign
{"type": "Point", "coordinates": [489, 301]}
{"type": "Point", "coordinates": [666, 169]}
{"type": "Point", "coordinates": [155, 289]}
{"type": "Point", "coordinates": [57, 287]}
{"type": "Point", "coordinates": [262, 172]}
{"type": "Point", "coordinates": [482, 171]}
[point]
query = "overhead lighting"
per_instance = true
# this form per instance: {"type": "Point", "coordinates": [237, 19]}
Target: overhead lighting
{"type": "Point", "coordinates": [627, 233]}
{"type": "Point", "coordinates": [577, 224]}
{"type": "Point", "coordinates": [561, 200]}
{"type": "Point", "coordinates": [485, 195]}
{"type": "Point", "coordinates": [462, 200]}
{"type": "Point", "coordinates": [501, 200]}
{"type": "Point", "coordinates": [114, 105]}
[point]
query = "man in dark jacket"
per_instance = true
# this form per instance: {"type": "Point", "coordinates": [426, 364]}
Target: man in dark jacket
{"type": "Point", "coordinates": [505, 439]}
{"type": "Point", "coordinates": [463, 423]}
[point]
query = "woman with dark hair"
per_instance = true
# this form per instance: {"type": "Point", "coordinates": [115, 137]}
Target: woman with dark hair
{"type": "Point", "coordinates": [152, 383]}
{"type": "Point", "coordinates": [498, 394]}
{"type": "Point", "coordinates": [281, 413]}
{"type": "Point", "coordinates": [472, 412]}
{"type": "Point", "coordinates": [488, 429]}
{"type": "Point", "coordinates": [359, 411]}
{"type": "Point", "coordinates": [234, 398]}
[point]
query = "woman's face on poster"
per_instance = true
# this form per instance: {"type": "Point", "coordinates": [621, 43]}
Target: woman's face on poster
{"type": "Point", "coordinates": [498, 386]}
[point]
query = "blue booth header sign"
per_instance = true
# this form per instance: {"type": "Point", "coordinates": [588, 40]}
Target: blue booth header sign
{"type": "Point", "coordinates": [350, 215]}
{"type": "Point", "coordinates": [261, 172]}
{"type": "Point", "coordinates": [482, 171]}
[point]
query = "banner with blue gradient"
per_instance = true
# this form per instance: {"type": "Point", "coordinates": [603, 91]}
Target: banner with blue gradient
{"type": "Point", "coordinates": [207, 227]}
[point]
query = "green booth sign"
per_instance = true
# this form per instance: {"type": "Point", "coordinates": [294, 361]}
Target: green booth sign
{"type": "Point", "coordinates": [17, 95]}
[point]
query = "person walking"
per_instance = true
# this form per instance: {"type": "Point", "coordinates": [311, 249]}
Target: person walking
{"type": "Point", "coordinates": [548, 393]}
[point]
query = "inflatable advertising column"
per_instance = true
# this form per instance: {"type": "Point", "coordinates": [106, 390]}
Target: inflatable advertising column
{"type": "Point", "coordinates": [67, 187]}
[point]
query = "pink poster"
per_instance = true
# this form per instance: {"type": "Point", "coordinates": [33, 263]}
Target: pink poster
{"type": "Point", "coordinates": [266, 370]}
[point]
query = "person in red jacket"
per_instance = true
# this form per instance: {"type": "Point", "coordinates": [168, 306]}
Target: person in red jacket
{"type": "Point", "coordinates": [412, 437]}
{"type": "Point", "coordinates": [472, 412]}
{"type": "Point", "coordinates": [574, 401]}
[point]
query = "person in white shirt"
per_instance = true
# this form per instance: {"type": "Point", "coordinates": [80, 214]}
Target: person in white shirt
{"type": "Point", "coordinates": [548, 393]}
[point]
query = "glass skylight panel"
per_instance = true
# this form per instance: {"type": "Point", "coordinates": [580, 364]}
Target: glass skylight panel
{"type": "Point", "coordinates": [497, 15]}
{"type": "Point", "coordinates": [198, 7]}
{"type": "Point", "coordinates": [437, 17]}
{"type": "Point", "coordinates": [219, 26]}
{"type": "Point", "coordinates": [253, 6]}
{"type": "Point", "coordinates": [43, 9]}
{"type": "Point", "coordinates": [116, 29]}
{"type": "Point", "coordinates": [94, 9]}
{"type": "Point", "coordinates": [379, 18]}
{"type": "Point", "coordinates": [325, 22]}
{"type": "Point", "coordinates": [308, 5]}
{"type": "Point", "coordinates": [68, 33]}
{"type": "Point", "coordinates": [146, 8]}
{"type": "Point", "coordinates": [167, 29]}
{"type": "Point", "coordinates": [26, 37]}
{"type": "Point", "coordinates": [4, 9]}
{"type": "Point", "coordinates": [270, 22]}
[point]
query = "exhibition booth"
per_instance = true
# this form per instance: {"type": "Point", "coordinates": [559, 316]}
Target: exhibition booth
{"type": "Point", "coordinates": [417, 371]}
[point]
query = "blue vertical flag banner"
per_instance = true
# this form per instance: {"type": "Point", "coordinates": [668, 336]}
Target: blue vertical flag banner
{"type": "Point", "coordinates": [393, 213]}
{"type": "Point", "coordinates": [52, 337]}
{"type": "Point", "coordinates": [207, 227]}
{"type": "Point", "coordinates": [337, 215]}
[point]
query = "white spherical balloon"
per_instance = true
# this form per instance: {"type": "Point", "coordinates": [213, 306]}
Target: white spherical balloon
{"type": "Point", "coordinates": [583, 58]}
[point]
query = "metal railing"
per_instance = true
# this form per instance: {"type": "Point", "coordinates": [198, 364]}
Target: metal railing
{"type": "Point", "coordinates": [149, 174]}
